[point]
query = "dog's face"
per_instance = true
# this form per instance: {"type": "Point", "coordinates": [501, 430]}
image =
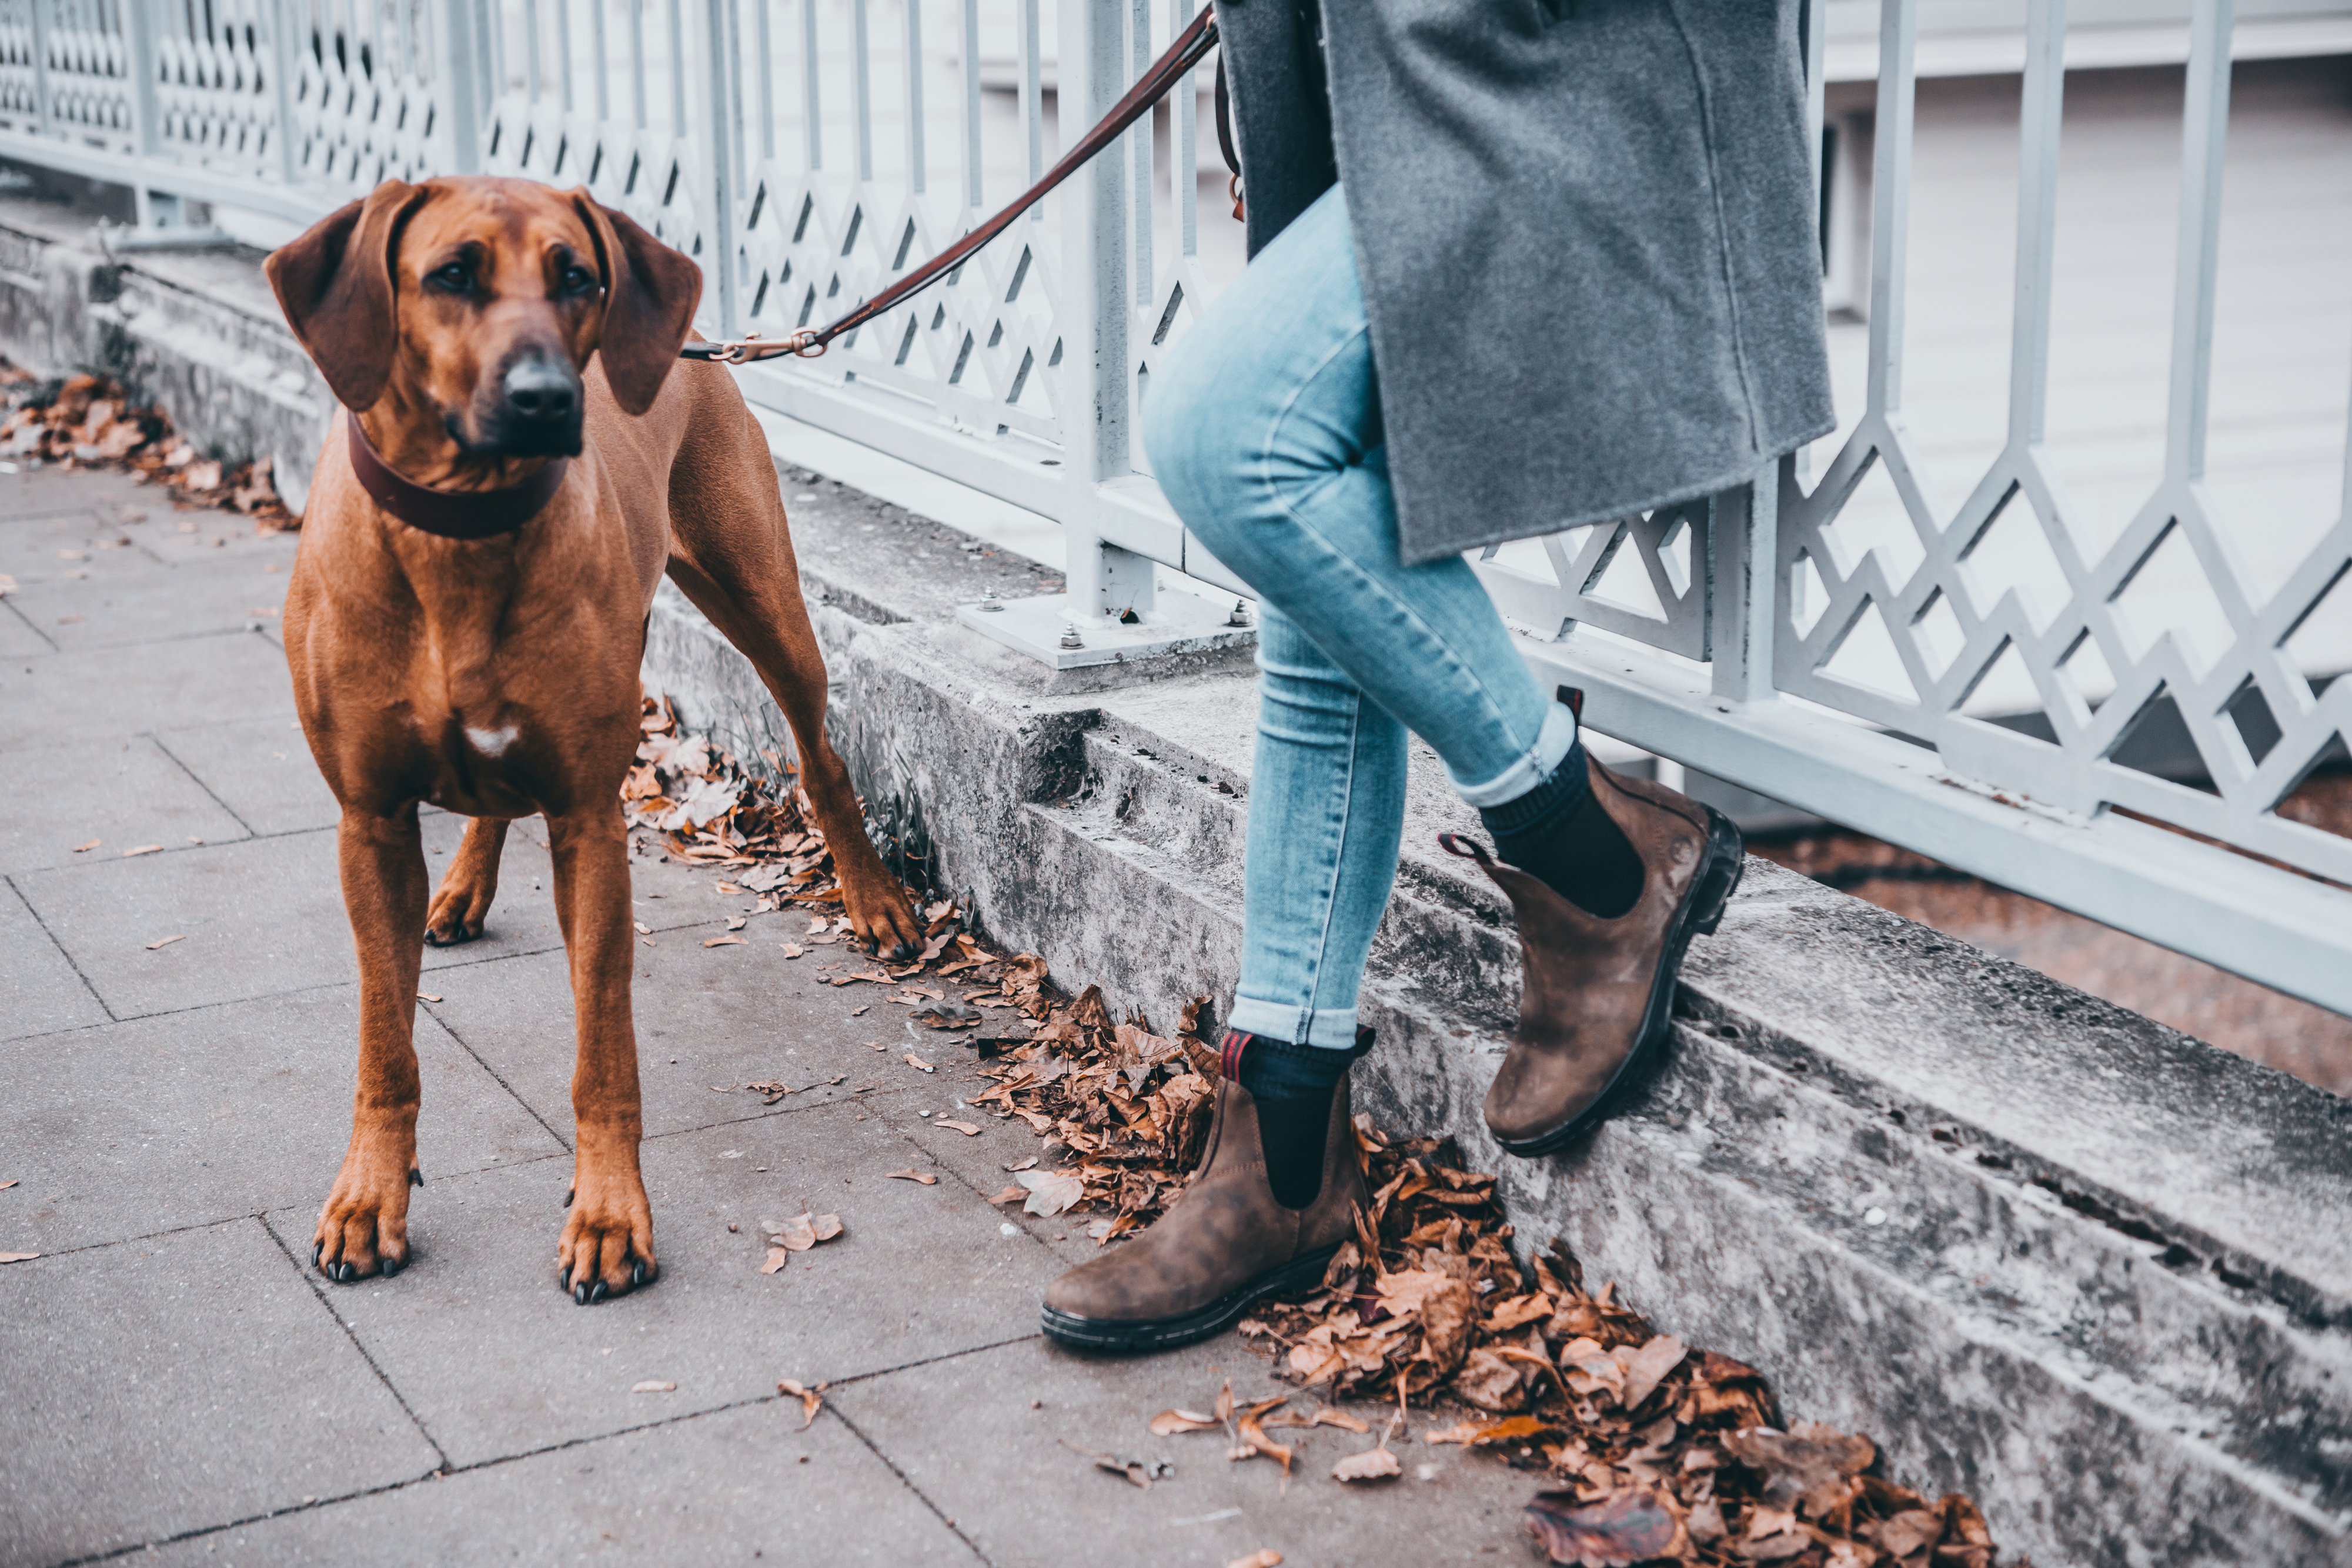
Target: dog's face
{"type": "Point", "coordinates": [500, 302]}
{"type": "Point", "coordinates": [476, 303]}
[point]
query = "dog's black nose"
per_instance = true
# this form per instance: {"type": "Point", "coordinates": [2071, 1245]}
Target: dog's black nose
{"type": "Point", "coordinates": [541, 392]}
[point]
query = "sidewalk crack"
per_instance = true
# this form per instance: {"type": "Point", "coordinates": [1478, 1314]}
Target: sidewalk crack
{"type": "Point", "coordinates": [389, 1387]}
{"type": "Point", "coordinates": [451, 1030]}
{"type": "Point", "coordinates": [156, 740]}
{"type": "Point", "coordinates": [31, 627]}
{"type": "Point", "coordinates": [111, 1017]}
{"type": "Point", "coordinates": [921, 1496]}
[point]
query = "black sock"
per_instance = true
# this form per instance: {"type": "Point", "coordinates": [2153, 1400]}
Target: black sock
{"type": "Point", "coordinates": [1293, 1085]}
{"type": "Point", "coordinates": [1558, 833]}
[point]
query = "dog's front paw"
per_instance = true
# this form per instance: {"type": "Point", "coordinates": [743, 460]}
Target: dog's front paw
{"type": "Point", "coordinates": [608, 1239]}
{"type": "Point", "coordinates": [880, 916]}
{"type": "Point", "coordinates": [363, 1229]}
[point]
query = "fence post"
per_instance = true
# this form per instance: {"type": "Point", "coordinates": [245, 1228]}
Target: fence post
{"type": "Point", "coordinates": [1743, 551]}
{"type": "Point", "coordinates": [282, 48]}
{"type": "Point", "coordinates": [1095, 393]}
{"type": "Point", "coordinates": [720, 52]}
{"type": "Point", "coordinates": [459, 90]}
{"type": "Point", "coordinates": [40, 9]}
{"type": "Point", "coordinates": [141, 19]}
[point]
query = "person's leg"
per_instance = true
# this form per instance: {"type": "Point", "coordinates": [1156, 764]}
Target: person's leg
{"type": "Point", "coordinates": [1325, 810]}
{"type": "Point", "coordinates": [1327, 805]}
{"type": "Point", "coordinates": [1264, 432]}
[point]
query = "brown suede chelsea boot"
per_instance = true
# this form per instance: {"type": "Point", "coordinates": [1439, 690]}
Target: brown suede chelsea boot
{"type": "Point", "coordinates": [1597, 994]}
{"type": "Point", "coordinates": [1226, 1244]}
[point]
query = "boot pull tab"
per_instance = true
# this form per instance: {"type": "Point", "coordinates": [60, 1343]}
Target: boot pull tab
{"type": "Point", "coordinates": [1466, 849]}
{"type": "Point", "coordinates": [1572, 698]}
{"type": "Point", "coordinates": [1229, 1053]}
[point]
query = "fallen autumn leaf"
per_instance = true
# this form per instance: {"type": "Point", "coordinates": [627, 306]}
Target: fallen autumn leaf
{"type": "Point", "coordinates": [1167, 1423]}
{"type": "Point", "coordinates": [651, 1386]}
{"type": "Point", "coordinates": [1650, 1364]}
{"type": "Point", "coordinates": [811, 1399]}
{"type": "Point", "coordinates": [1137, 1472]}
{"type": "Point", "coordinates": [1371, 1465]}
{"type": "Point", "coordinates": [966, 1128]}
{"type": "Point", "coordinates": [1050, 1192]}
{"type": "Point", "coordinates": [917, 1063]}
{"type": "Point", "coordinates": [926, 1177]}
{"type": "Point", "coordinates": [1630, 1526]}
{"type": "Point", "coordinates": [17, 1257]}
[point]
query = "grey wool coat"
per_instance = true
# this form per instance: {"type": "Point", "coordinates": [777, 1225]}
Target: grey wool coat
{"type": "Point", "coordinates": [1587, 234]}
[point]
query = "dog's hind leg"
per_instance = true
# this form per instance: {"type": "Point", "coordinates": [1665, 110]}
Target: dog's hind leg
{"type": "Point", "coordinates": [608, 1238]}
{"type": "Point", "coordinates": [463, 901]}
{"type": "Point", "coordinates": [469, 884]}
{"type": "Point", "coordinates": [364, 1227]}
{"type": "Point", "coordinates": [732, 556]}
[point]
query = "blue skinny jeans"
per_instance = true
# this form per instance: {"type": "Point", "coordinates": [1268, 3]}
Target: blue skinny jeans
{"type": "Point", "coordinates": [1263, 429]}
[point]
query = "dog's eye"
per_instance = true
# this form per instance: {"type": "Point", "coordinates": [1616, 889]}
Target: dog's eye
{"type": "Point", "coordinates": [454, 278]}
{"type": "Point", "coordinates": [578, 281]}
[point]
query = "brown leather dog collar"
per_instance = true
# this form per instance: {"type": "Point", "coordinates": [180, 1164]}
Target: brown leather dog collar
{"type": "Point", "coordinates": [451, 514]}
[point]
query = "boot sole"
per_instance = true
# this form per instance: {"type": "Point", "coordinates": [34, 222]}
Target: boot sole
{"type": "Point", "coordinates": [1167, 1333]}
{"type": "Point", "coordinates": [1700, 915]}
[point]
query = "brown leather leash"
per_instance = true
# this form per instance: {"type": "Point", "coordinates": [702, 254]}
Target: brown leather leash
{"type": "Point", "coordinates": [1191, 45]}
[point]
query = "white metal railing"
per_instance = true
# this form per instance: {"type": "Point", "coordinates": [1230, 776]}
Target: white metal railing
{"type": "Point", "coordinates": [807, 151]}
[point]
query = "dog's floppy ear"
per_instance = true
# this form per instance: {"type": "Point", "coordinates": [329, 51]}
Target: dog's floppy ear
{"type": "Point", "coordinates": [650, 293]}
{"type": "Point", "coordinates": [335, 286]}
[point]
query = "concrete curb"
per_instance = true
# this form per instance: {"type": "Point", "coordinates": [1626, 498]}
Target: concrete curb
{"type": "Point", "coordinates": [2044, 1251]}
{"type": "Point", "coordinates": [196, 332]}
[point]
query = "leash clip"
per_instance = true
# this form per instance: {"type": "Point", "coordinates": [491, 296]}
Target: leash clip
{"type": "Point", "coordinates": [802, 345]}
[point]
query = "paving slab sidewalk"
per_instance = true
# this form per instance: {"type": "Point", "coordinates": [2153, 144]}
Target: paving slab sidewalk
{"type": "Point", "coordinates": [174, 1380]}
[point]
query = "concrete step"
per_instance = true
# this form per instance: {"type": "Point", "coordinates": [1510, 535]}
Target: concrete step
{"type": "Point", "coordinates": [2043, 1250]}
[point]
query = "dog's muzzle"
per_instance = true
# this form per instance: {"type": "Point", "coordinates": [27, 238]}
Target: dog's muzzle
{"type": "Point", "coordinates": [539, 409]}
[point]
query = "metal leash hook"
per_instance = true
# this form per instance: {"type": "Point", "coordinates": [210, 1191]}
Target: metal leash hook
{"type": "Point", "coordinates": [805, 344]}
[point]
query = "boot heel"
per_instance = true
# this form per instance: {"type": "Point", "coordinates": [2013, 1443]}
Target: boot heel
{"type": "Point", "coordinates": [1726, 862]}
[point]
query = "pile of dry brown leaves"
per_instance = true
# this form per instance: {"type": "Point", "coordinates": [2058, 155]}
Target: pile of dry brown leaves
{"type": "Point", "coordinates": [1656, 1452]}
{"type": "Point", "coordinates": [1126, 1108]}
{"type": "Point", "coordinates": [1663, 1452]}
{"type": "Point", "coordinates": [699, 806]}
{"type": "Point", "coordinates": [88, 422]}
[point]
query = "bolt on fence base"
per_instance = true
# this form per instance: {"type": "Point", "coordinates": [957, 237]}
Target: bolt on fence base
{"type": "Point", "coordinates": [1050, 630]}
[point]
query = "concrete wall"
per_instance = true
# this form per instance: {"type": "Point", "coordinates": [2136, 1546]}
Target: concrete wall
{"type": "Point", "coordinates": [196, 333]}
{"type": "Point", "coordinates": [2044, 1251]}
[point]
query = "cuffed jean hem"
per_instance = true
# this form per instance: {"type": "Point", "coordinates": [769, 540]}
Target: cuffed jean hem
{"type": "Point", "coordinates": [1553, 742]}
{"type": "Point", "coordinates": [1333, 1028]}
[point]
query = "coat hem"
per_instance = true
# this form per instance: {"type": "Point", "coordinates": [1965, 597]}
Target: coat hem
{"type": "Point", "coordinates": [1745, 469]}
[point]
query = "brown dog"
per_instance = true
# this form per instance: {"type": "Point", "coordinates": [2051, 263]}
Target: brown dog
{"type": "Point", "coordinates": [482, 329]}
